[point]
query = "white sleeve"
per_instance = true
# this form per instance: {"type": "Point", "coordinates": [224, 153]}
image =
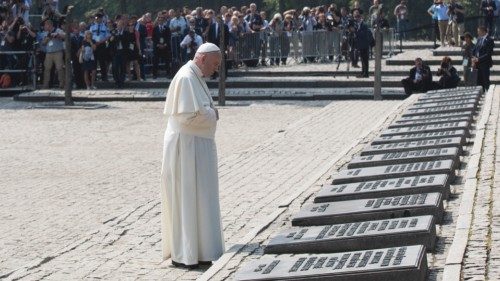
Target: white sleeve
{"type": "Point", "coordinates": [205, 119]}
{"type": "Point", "coordinates": [186, 41]}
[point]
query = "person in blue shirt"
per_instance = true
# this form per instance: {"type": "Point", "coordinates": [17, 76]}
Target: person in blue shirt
{"type": "Point", "coordinates": [439, 12]}
{"type": "Point", "coordinates": [100, 34]}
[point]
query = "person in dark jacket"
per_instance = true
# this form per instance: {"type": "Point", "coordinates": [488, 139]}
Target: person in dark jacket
{"type": "Point", "coordinates": [214, 34]}
{"type": "Point", "coordinates": [420, 78]}
{"type": "Point", "coordinates": [118, 45]}
{"type": "Point", "coordinates": [364, 38]}
{"type": "Point", "coordinates": [76, 42]}
{"type": "Point", "coordinates": [449, 74]}
{"type": "Point", "coordinates": [482, 60]}
{"type": "Point", "coordinates": [488, 7]}
{"type": "Point", "coordinates": [161, 46]}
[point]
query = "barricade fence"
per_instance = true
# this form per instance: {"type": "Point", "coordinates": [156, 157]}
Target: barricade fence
{"type": "Point", "coordinates": [275, 47]}
{"type": "Point", "coordinates": [20, 66]}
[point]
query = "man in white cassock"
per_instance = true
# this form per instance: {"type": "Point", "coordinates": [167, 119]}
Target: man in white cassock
{"type": "Point", "coordinates": [191, 223]}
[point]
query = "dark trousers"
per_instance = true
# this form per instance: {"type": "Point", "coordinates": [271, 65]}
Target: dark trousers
{"type": "Point", "coordinates": [483, 76]}
{"type": "Point", "coordinates": [119, 68]}
{"type": "Point", "coordinates": [437, 36]}
{"type": "Point", "coordinates": [101, 56]}
{"type": "Point", "coordinates": [164, 55]}
{"type": "Point", "coordinates": [363, 55]}
{"type": "Point", "coordinates": [354, 55]}
{"type": "Point", "coordinates": [489, 22]}
{"type": "Point", "coordinates": [411, 87]}
{"type": "Point", "coordinates": [78, 74]}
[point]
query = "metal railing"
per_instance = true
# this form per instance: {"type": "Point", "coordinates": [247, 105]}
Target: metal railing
{"type": "Point", "coordinates": [21, 66]}
{"type": "Point", "coordinates": [317, 45]}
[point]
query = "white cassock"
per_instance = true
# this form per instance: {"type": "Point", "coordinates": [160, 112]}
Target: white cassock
{"type": "Point", "coordinates": [191, 223]}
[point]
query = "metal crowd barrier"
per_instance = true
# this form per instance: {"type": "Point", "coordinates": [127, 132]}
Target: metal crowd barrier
{"type": "Point", "coordinates": [19, 65]}
{"type": "Point", "coordinates": [317, 45]}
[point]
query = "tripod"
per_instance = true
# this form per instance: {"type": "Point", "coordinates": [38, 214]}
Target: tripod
{"type": "Point", "coordinates": [346, 43]}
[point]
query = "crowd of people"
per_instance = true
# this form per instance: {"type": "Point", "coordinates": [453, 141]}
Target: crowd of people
{"type": "Point", "coordinates": [130, 46]}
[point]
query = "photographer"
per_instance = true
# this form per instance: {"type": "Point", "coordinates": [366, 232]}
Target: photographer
{"type": "Point", "coordinates": [21, 8]}
{"type": "Point", "coordinates": [53, 41]}
{"type": "Point", "coordinates": [49, 13]}
{"type": "Point", "coordinates": [449, 75]}
{"type": "Point", "coordinates": [467, 54]}
{"type": "Point", "coordinates": [191, 43]}
{"type": "Point", "coordinates": [26, 38]}
{"type": "Point", "coordinates": [420, 78]}
{"type": "Point", "coordinates": [118, 47]}
{"type": "Point", "coordinates": [456, 13]}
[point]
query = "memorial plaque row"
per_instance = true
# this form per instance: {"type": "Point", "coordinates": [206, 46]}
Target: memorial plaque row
{"type": "Point", "coordinates": [390, 196]}
{"type": "Point", "coordinates": [397, 263]}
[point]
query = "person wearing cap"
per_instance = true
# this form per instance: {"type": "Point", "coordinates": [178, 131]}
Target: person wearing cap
{"type": "Point", "coordinates": [191, 220]}
{"type": "Point", "coordinates": [100, 34]}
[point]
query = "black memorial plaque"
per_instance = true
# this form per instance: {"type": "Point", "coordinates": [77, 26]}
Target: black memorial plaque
{"type": "Point", "coordinates": [414, 145]}
{"type": "Point", "coordinates": [403, 157]}
{"type": "Point", "coordinates": [452, 93]}
{"type": "Point", "coordinates": [407, 263]}
{"type": "Point", "coordinates": [355, 236]}
{"type": "Point", "coordinates": [456, 90]}
{"type": "Point", "coordinates": [466, 113]}
{"type": "Point", "coordinates": [440, 109]}
{"type": "Point", "coordinates": [370, 209]}
{"type": "Point", "coordinates": [396, 171]}
{"type": "Point", "coordinates": [458, 96]}
{"type": "Point", "coordinates": [422, 122]}
{"type": "Point", "coordinates": [461, 99]}
{"type": "Point", "coordinates": [420, 136]}
{"type": "Point", "coordinates": [444, 103]}
{"type": "Point", "coordinates": [384, 187]}
{"type": "Point", "coordinates": [427, 128]}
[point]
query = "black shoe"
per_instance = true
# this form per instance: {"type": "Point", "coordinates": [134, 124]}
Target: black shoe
{"type": "Point", "coordinates": [355, 66]}
{"type": "Point", "coordinates": [361, 76]}
{"type": "Point", "coordinates": [178, 264]}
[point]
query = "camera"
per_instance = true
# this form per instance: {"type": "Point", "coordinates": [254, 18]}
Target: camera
{"type": "Point", "coordinates": [462, 38]}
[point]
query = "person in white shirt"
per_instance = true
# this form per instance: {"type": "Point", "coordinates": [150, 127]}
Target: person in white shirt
{"type": "Point", "coordinates": [191, 42]}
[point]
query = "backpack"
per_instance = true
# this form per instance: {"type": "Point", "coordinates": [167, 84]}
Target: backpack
{"type": "Point", "coordinates": [5, 81]}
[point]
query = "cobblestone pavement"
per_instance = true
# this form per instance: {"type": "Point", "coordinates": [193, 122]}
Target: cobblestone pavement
{"type": "Point", "coordinates": [482, 257]}
{"type": "Point", "coordinates": [79, 188]}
